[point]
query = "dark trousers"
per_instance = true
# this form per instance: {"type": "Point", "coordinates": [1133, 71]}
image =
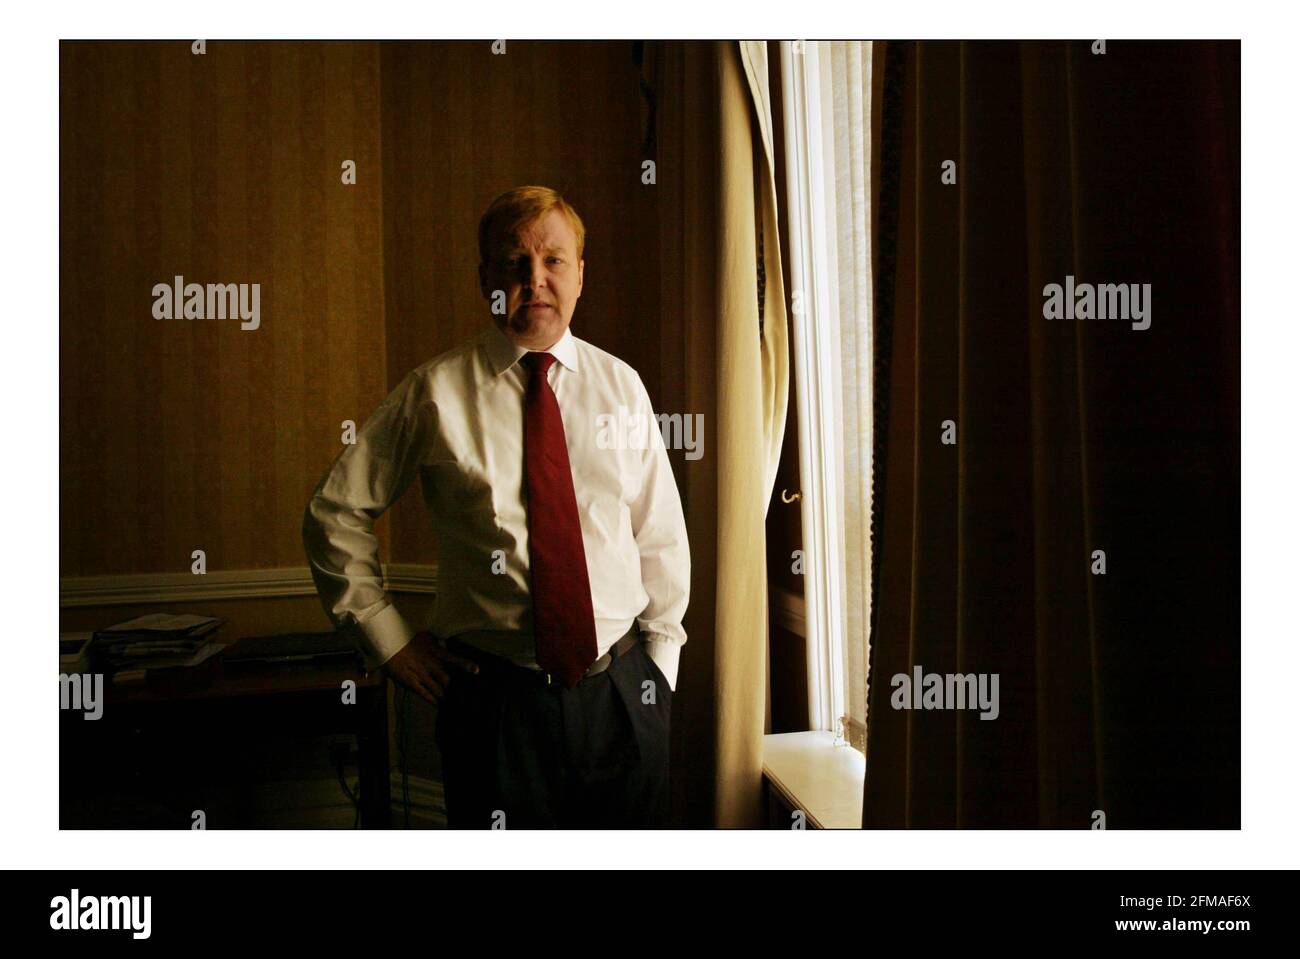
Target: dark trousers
{"type": "Point", "coordinates": [518, 753]}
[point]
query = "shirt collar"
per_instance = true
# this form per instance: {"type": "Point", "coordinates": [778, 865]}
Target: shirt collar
{"type": "Point", "coordinates": [503, 353]}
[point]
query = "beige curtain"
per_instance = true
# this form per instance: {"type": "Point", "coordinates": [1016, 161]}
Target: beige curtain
{"type": "Point", "coordinates": [717, 225]}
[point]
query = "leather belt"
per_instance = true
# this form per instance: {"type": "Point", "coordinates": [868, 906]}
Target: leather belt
{"type": "Point", "coordinates": [503, 664]}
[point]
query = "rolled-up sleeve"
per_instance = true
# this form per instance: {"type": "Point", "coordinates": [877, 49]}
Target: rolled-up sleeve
{"type": "Point", "coordinates": [660, 531]}
{"type": "Point", "coordinates": [365, 479]}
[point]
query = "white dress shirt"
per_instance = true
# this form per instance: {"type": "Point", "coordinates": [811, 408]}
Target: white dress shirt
{"type": "Point", "coordinates": [457, 422]}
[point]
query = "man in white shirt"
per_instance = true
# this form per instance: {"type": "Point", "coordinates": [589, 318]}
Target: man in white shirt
{"type": "Point", "coordinates": [563, 568]}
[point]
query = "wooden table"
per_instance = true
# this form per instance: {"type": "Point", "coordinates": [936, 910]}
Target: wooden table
{"type": "Point", "coordinates": [147, 730]}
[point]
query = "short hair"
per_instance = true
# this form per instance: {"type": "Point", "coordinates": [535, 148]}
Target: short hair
{"type": "Point", "coordinates": [519, 209]}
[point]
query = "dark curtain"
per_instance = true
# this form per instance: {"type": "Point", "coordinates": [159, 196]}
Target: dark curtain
{"type": "Point", "coordinates": [1118, 692]}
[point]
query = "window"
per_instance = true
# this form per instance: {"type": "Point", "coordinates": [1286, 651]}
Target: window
{"type": "Point", "coordinates": [826, 98]}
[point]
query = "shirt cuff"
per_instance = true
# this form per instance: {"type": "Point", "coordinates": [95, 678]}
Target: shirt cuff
{"type": "Point", "coordinates": [666, 653]}
{"type": "Point", "coordinates": [383, 635]}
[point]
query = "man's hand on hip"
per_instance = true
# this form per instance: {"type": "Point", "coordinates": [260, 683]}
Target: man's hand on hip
{"type": "Point", "coordinates": [425, 668]}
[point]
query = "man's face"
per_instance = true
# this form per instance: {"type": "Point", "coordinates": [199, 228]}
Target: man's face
{"type": "Point", "coordinates": [541, 276]}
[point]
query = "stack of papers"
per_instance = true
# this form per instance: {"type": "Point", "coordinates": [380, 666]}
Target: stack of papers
{"type": "Point", "coordinates": [74, 652]}
{"type": "Point", "coordinates": [155, 641]}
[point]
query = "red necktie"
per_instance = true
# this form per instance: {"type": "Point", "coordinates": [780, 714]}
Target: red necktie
{"type": "Point", "coordinates": [564, 625]}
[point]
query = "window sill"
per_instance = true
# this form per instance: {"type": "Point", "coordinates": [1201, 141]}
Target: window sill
{"type": "Point", "coordinates": [823, 780]}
